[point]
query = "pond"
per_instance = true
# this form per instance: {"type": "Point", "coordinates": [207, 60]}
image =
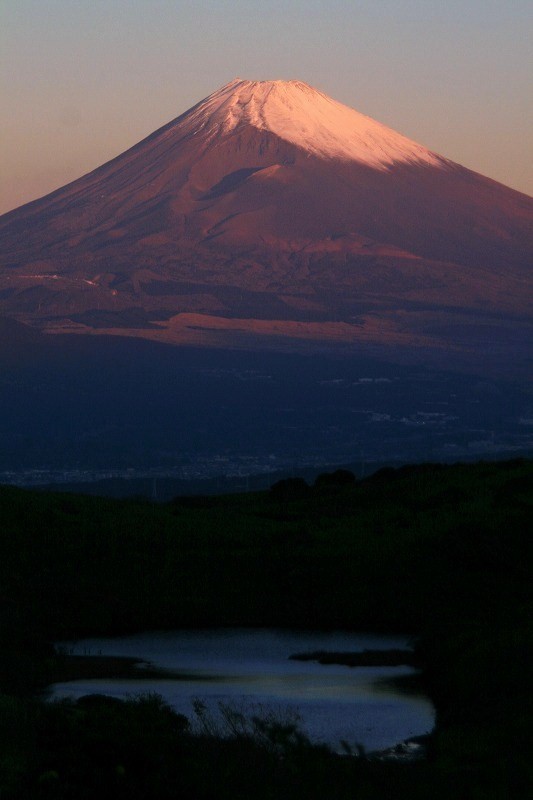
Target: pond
{"type": "Point", "coordinates": [251, 671]}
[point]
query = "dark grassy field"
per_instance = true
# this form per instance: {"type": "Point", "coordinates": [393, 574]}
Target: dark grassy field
{"type": "Point", "coordinates": [442, 552]}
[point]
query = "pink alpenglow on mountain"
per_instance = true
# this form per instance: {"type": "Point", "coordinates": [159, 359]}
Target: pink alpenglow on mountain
{"type": "Point", "coordinates": [271, 215]}
{"type": "Point", "coordinates": [302, 116]}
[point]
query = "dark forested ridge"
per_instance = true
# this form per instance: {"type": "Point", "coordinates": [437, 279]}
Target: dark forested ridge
{"type": "Point", "coordinates": [439, 551]}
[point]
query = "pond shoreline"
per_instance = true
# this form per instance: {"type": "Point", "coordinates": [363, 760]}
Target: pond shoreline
{"type": "Point", "coordinates": [70, 667]}
{"type": "Point", "coordinates": [65, 668]}
{"type": "Point", "coordinates": [254, 668]}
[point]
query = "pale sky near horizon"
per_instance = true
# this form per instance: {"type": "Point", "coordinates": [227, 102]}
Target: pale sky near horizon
{"type": "Point", "coordinates": [83, 80]}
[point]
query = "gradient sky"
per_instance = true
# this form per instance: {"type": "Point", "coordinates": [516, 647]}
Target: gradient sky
{"type": "Point", "coordinates": [83, 80]}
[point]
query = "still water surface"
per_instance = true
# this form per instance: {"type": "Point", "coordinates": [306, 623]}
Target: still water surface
{"type": "Point", "coordinates": [250, 670]}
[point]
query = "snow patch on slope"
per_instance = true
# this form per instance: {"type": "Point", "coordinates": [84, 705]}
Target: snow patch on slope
{"type": "Point", "coordinates": [305, 117]}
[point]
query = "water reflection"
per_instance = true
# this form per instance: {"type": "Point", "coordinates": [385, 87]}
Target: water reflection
{"type": "Point", "coordinates": [251, 670]}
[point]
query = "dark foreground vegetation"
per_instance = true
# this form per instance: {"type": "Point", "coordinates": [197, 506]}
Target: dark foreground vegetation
{"type": "Point", "coordinates": [439, 551]}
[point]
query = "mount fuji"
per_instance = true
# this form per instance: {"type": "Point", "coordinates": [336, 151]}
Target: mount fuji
{"type": "Point", "coordinates": [270, 215]}
{"type": "Point", "coordinates": [271, 272]}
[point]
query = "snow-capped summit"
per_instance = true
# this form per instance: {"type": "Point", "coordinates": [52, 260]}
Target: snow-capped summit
{"type": "Point", "coordinates": [307, 118]}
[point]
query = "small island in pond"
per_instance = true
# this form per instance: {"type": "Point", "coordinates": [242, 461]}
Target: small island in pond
{"type": "Point", "coordinates": [366, 658]}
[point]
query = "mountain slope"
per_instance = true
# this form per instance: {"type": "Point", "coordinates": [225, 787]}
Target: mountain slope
{"type": "Point", "coordinates": [269, 213]}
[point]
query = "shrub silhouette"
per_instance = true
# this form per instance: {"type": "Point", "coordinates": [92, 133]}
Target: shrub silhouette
{"type": "Point", "coordinates": [289, 489]}
{"type": "Point", "coordinates": [334, 480]}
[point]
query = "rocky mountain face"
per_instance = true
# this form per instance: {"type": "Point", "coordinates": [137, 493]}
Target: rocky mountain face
{"type": "Point", "coordinates": [271, 216]}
